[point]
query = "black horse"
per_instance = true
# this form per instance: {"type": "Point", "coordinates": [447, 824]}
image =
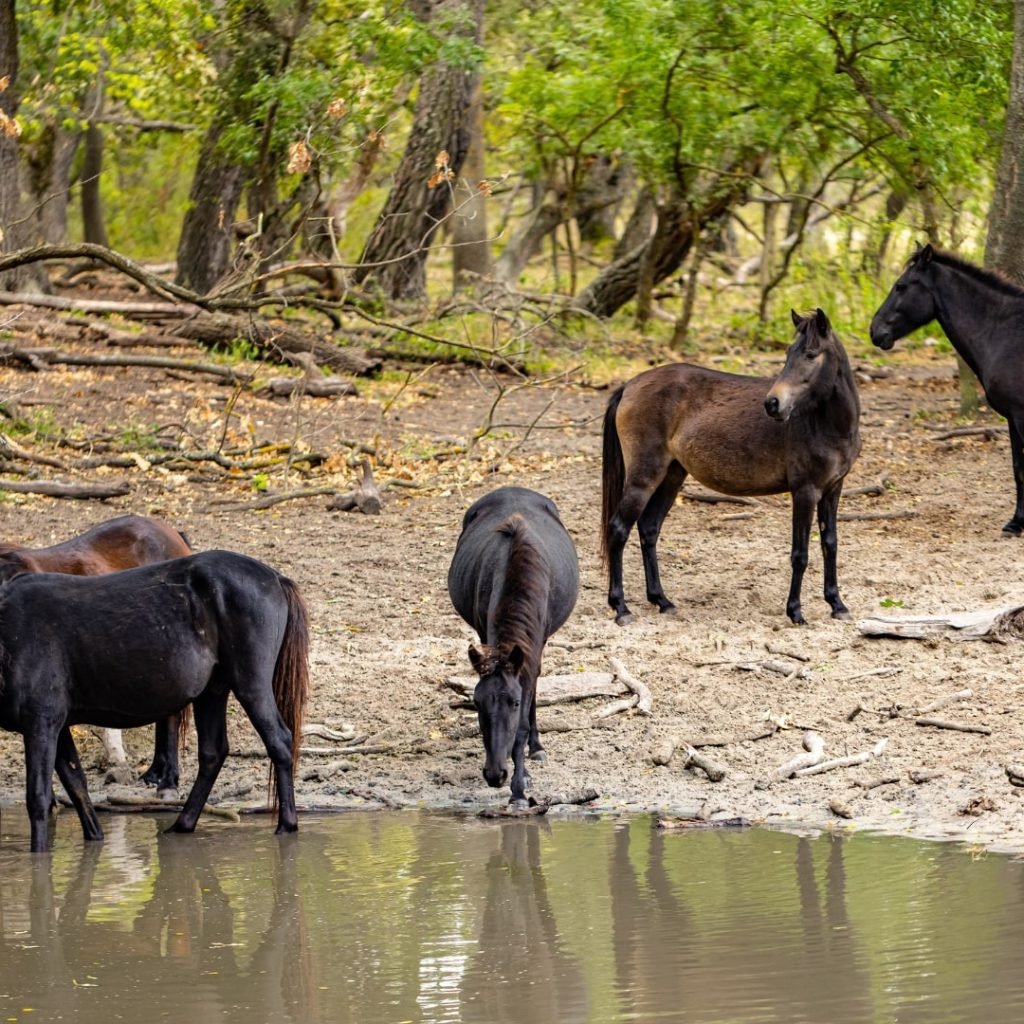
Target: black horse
{"type": "Point", "coordinates": [681, 420]}
{"type": "Point", "coordinates": [514, 578]}
{"type": "Point", "coordinates": [982, 314]}
{"type": "Point", "coordinates": [121, 543]}
{"type": "Point", "coordinates": [127, 649]}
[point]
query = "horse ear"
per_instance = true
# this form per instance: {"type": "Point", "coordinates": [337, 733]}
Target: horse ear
{"type": "Point", "coordinates": [821, 321]}
{"type": "Point", "coordinates": [797, 318]}
{"type": "Point", "coordinates": [924, 256]}
{"type": "Point", "coordinates": [476, 659]}
{"type": "Point", "coordinates": [515, 658]}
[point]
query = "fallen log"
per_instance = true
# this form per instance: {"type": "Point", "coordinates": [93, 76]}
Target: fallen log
{"type": "Point", "coordinates": [366, 497]}
{"type": "Point", "coordinates": [714, 771]}
{"type": "Point", "coordinates": [992, 623]}
{"type": "Point", "coordinates": [82, 492]}
{"type": "Point", "coordinates": [849, 761]}
{"type": "Point", "coordinates": [645, 702]}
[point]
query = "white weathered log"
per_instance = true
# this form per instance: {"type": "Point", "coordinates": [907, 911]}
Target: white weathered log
{"type": "Point", "coordinates": [814, 746]}
{"type": "Point", "coordinates": [347, 732]}
{"type": "Point", "coordinates": [714, 771]}
{"type": "Point", "coordinates": [557, 689]}
{"type": "Point", "coordinates": [645, 702]}
{"type": "Point", "coordinates": [616, 707]}
{"type": "Point", "coordinates": [951, 698]}
{"type": "Point", "coordinates": [956, 626]}
{"type": "Point", "coordinates": [843, 762]}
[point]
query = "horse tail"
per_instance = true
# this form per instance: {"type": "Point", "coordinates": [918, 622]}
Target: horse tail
{"type": "Point", "coordinates": [613, 469]}
{"type": "Point", "coordinates": [291, 673]}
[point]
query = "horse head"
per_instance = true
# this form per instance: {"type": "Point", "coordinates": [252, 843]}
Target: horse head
{"type": "Point", "coordinates": [910, 303]}
{"type": "Point", "coordinates": [498, 698]}
{"type": "Point", "coordinates": [810, 369]}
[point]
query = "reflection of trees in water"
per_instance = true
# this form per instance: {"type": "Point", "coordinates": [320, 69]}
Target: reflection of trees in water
{"type": "Point", "coordinates": [519, 971]}
{"type": "Point", "coordinates": [180, 944]}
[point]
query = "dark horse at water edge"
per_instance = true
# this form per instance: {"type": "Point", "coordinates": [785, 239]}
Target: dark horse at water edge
{"type": "Point", "coordinates": [129, 648]}
{"type": "Point", "coordinates": [982, 314]}
{"type": "Point", "coordinates": [121, 543]}
{"type": "Point", "coordinates": [738, 435]}
{"type": "Point", "coordinates": [514, 578]}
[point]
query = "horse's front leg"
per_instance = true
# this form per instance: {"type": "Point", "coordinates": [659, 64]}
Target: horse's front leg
{"type": "Point", "coordinates": [69, 770]}
{"type": "Point", "coordinates": [519, 776]}
{"type": "Point", "coordinates": [1015, 527]}
{"type": "Point", "coordinates": [40, 739]}
{"type": "Point", "coordinates": [804, 500]}
{"type": "Point", "coordinates": [537, 752]}
{"type": "Point", "coordinates": [828, 508]}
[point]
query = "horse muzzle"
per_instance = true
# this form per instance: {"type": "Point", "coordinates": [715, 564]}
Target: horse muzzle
{"type": "Point", "coordinates": [882, 337]}
{"type": "Point", "coordinates": [495, 777]}
{"type": "Point", "coordinates": [776, 409]}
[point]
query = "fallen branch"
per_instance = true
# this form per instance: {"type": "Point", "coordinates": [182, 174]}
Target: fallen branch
{"type": "Point", "coordinates": [366, 497]}
{"type": "Point", "coordinates": [875, 490]}
{"type": "Point", "coordinates": [870, 517]}
{"type": "Point", "coordinates": [269, 500]}
{"type": "Point", "coordinates": [989, 432]}
{"type": "Point", "coordinates": [815, 747]}
{"type": "Point", "coordinates": [675, 824]}
{"type": "Point", "coordinates": [616, 707]}
{"type": "Point", "coordinates": [943, 701]}
{"type": "Point", "coordinates": [694, 759]}
{"type": "Point", "coordinates": [714, 498]}
{"type": "Point", "coordinates": [645, 702]}
{"type": "Point", "coordinates": [146, 805]}
{"type": "Point", "coordinates": [843, 762]}
{"type": "Point", "coordinates": [975, 625]}
{"type": "Point", "coordinates": [36, 358]}
{"type": "Point", "coordinates": [941, 723]}
{"type": "Point", "coordinates": [57, 490]}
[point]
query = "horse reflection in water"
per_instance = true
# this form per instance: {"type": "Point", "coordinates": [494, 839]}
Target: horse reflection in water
{"type": "Point", "coordinates": [695, 952]}
{"type": "Point", "coordinates": [520, 971]}
{"type": "Point", "coordinates": [181, 933]}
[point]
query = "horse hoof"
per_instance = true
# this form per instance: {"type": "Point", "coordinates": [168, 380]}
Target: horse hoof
{"type": "Point", "coordinates": [519, 804]}
{"type": "Point", "coordinates": [1009, 532]}
{"type": "Point", "coordinates": [538, 755]}
{"type": "Point", "coordinates": [671, 610]}
{"type": "Point", "coordinates": [167, 795]}
{"type": "Point", "coordinates": [624, 619]}
{"type": "Point", "coordinates": [119, 774]}
{"type": "Point", "coordinates": [843, 616]}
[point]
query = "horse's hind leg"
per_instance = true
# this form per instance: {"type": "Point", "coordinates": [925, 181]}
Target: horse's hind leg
{"type": "Point", "coordinates": [210, 711]}
{"type": "Point", "coordinates": [649, 527]}
{"type": "Point", "coordinates": [69, 771]}
{"type": "Point", "coordinates": [637, 493]}
{"type": "Point", "coordinates": [828, 508]}
{"type": "Point", "coordinates": [163, 772]}
{"type": "Point", "coordinates": [537, 751]}
{"type": "Point", "coordinates": [259, 705]}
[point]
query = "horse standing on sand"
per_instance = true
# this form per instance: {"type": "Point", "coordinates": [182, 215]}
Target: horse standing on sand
{"type": "Point", "coordinates": [682, 420]}
{"type": "Point", "coordinates": [514, 578]}
{"type": "Point", "coordinates": [121, 543]}
{"type": "Point", "coordinates": [128, 648]}
{"type": "Point", "coordinates": [982, 314]}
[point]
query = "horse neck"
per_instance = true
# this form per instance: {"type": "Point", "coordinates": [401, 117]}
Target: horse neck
{"type": "Point", "coordinates": [519, 601]}
{"type": "Point", "coordinates": [970, 312]}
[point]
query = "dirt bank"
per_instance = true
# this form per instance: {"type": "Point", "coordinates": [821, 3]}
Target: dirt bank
{"type": "Point", "coordinates": [385, 637]}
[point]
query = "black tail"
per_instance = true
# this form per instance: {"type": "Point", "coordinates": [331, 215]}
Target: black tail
{"type": "Point", "coordinates": [613, 469]}
{"type": "Point", "coordinates": [291, 673]}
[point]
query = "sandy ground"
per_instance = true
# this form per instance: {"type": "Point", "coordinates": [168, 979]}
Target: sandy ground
{"type": "Point", "coordinates": [385, 638]}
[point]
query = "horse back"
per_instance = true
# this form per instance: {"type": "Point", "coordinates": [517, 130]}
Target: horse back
{"type": "Point", "coordinates": [89, 644]}
{"type": "Point", "coordinates": [482, 551]}
{"type": "Point", "coordinates": [712, 423]}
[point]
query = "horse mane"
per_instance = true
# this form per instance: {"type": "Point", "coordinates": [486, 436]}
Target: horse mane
{"type": "Point", "coordinates": [993, 278]}
{"type": "Point", "coordinates": [523, 605]}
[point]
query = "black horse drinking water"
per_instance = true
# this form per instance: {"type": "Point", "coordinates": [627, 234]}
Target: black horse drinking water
{"type": "Point", "coordinates": [514, 579]}
{"type": "Point", "coordinates": [127, 649]}
{"type": "Point", "coordinates": [982, 314]}
{"type": "Point", "coordinates": [681, 420]}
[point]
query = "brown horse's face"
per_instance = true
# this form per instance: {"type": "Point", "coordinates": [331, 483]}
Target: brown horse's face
{"type": "Point", "coordinates": [910, 303]}
{"type": "Point", "coordinates": [498, 698]}
{"type": "Point", "coordinates": [808, 363]}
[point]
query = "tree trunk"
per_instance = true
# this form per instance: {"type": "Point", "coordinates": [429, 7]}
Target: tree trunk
{"type": "Point", "coordinates": [396, 252]}
{"type": "Point", "coordinates": [94, 228]}
{"type": "Point", "coordinates": [13, 223]}
{"type": "Point", "coordinates": [49, 162]}
{"type": "Point", "coordinates": [471, 257]}
{"type": "Point", "coordinates": [1003, 249]}
{"type": "Point", "coordinates": [678, 226]}
{"type": "Point", "coordinates": [638, 228]}
{"type": "Point", "coordinates": [255, 52]}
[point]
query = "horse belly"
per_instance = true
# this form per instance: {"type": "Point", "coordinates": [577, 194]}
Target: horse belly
{"type": "Point", "coordinates": [735, 463]}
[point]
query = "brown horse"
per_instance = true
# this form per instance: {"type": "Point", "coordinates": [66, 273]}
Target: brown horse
{"type": "Point", "coordinates": [680, 420]}
{"type": "Point", "coordinates": [121, 543]}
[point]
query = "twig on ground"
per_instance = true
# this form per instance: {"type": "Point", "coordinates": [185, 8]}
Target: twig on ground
{"type": "Point", "coordinates": [941, 723]}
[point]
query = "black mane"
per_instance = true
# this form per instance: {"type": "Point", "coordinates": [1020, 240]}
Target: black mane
{"type": "Point", "coordinates": [524, 600]}
{"type": "Point", "coordinates": [993, 278]}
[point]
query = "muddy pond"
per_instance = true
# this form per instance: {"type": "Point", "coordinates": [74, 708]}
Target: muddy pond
{"type": "Point", "coordinates": [412, 916]}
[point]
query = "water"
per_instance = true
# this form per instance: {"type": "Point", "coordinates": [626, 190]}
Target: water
{"type": "Point", "coordinates": [402, 916]}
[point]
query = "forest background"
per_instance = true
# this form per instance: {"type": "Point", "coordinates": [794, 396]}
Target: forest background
{"type": "Point", "coordinates": [468, 177]}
